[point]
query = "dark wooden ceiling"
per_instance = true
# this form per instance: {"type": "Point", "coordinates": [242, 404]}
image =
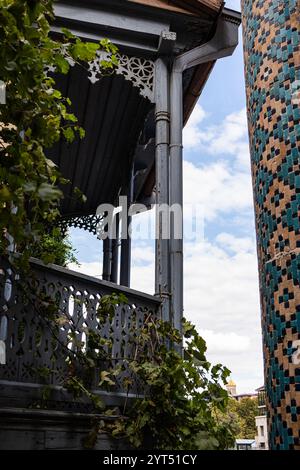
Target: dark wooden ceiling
{"type": "Point", "coordinates": [112, 112]}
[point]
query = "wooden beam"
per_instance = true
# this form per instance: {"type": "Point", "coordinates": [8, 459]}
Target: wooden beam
{"type": "Point", "coordinates": [195, 88]}
{"type": "Point", "coordinates": [187, 7]}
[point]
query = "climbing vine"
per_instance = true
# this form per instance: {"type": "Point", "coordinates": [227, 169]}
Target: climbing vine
{"type": "Point", "coordinates": [34, 116]}
{"type": "Point", "coordinates": [182, 392]}
{"type": "Point", "coordinates": [175, 397]}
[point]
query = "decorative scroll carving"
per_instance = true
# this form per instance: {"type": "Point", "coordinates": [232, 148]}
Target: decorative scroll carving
{"type": "Point", "coordinates": [90, 223]}
{"type": "Point", "coordinates": [30, 343]}
{"type": "Point", "coordinates": [139, 71]}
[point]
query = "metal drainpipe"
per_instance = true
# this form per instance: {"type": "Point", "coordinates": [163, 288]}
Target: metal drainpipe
{"type": "Point", "coordinates": [162, 119]}
{"type": "Point", "coordinates": [222, 44]}
{"type": "Point", "coordinates": [176, 197]}
{"type": "Point", "coordinates": [106, 259]}
{"type": "Point", "coordinates": [115, 243]}
{"type": "Point", "coordinates": [125, 265]}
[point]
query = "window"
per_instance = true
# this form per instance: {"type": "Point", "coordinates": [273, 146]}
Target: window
{"type": "Point", "coordinates": [243, 447]}
{"type": "Point", "coordinates": [262, 432]}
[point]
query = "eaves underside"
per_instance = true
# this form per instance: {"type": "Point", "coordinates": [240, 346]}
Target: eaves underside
{"type": "Point", "coordinates": [192, 7]}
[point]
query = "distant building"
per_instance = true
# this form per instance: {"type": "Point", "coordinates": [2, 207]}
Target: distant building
{"type": "Point", "coordinates": [245, 444]}
{"type": "Point", "coordinates": [241, 396]}
{"type": "Point", "coordinates": [231, 388]}
{"type": "Point", "coordinates": [261, 437]}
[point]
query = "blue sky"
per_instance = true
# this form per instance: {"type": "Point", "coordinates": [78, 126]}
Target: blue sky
{"type": "Point", "coordinates": [221, 279]}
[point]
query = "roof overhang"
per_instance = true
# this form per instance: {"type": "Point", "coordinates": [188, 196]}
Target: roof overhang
{"type": "Point", "coordinates": [112, 112]}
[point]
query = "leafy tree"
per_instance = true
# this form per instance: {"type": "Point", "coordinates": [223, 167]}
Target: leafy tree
{"type": "Point", "coordinates": [230, 420]}
{"type": "Point", "coordinates": [242, 415]}
{"type": "Point", "coordinates": [247, 410]}
{"type": "Point", "coordinates": [55, 248]}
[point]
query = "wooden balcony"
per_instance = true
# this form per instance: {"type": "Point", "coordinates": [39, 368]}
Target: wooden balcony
{"type": "Point", "coordinates": [31, 345]}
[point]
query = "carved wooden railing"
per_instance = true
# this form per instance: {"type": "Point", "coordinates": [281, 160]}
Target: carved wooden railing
{"type": "Point", "coordinates": [28, 345]}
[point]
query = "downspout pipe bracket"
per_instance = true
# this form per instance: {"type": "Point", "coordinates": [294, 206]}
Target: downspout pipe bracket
{"type": "Point", "coordinates": [222, 44]}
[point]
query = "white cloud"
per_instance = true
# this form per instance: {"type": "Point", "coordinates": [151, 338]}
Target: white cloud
{"type": "Point", "coordinates": [92, 268]}
{"type": "Point", "coordinates": [221, 288]}
{"type": "Point", "coordinates": [217, 188]}
{"type": "Point", "coordinates": [225, 342]}
{"type": "Point", "coordinates": [221, 183]}
{"type": "Point", "coordinates": [142, 254]}
{"type": "Point", "coordinates": [237, 245]}
{"type": "Point", "coordinates": [191, 133]}
{"type": "Point", "coordinates": [221, 295]}
{"type": "Point", "coordinates": [230, 137]}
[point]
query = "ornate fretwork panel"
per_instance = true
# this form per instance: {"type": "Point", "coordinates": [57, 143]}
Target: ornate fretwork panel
{"type": "Point", "coordinates": [91, 223]}
{"type": "Point", "coordinates": [30, 344]}
{"type": "Point", "coordinates": [139, 71]}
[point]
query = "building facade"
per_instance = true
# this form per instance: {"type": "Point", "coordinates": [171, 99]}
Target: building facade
{"type": "Point", "coordinates": [271, 33]}
{"type": "Point", "coordinates": [261, 437]}
{"type": "Point", "coordinates": [231, 388]}
{"type": "Point", "coordinates": [242, 396]}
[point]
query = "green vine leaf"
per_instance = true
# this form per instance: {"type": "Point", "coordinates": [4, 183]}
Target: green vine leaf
{"type": "Point", "coordinates": [36, 116]}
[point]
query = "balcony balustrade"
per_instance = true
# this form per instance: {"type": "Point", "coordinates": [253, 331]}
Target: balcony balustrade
{"type": "Point", "coordinates": [31, 345]}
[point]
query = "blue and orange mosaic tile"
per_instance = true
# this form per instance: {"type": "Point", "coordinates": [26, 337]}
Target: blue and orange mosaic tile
{"type": "Point", "coordinates": [271, 34]}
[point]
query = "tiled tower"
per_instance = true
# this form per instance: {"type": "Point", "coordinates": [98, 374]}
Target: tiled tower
{"type": "Point", "coordinates": [272, 58]}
